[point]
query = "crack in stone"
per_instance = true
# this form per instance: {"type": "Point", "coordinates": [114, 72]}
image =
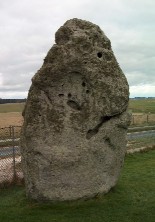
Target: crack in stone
{"type": "Point", "coordinates": [94, 131]}
{"type": "Point", "coordinates": [74, 105]}
{"type": "Point", "coordinates": [47, 98]}
{"type": "Point", "coordinates": [109, 143]}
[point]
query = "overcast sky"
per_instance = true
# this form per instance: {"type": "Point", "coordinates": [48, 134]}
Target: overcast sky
{"type": "Point", "coordinates": [27, 29]}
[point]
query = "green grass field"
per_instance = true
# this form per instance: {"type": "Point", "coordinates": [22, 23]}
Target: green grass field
{"type": "Point", "coordinates": [11, 107]}
{"type": "Point", "coordinates": [142, 106]}
{"type": "Point", "coordinates": [132, 200]}
{"type": "Point", "coordinates": [137, 106]}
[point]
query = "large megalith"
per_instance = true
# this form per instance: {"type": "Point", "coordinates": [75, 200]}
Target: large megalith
{"type": "Point", "coordinates": [73, 139]}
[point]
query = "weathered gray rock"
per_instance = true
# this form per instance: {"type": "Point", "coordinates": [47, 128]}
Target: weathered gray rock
{"type": "Point", "coordinates": [75, 120]}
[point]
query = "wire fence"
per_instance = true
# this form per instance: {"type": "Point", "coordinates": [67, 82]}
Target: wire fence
{"type": "Point", "coordinates": [143, 118]}
{"type": "Point", "coordinates": [10, 158]}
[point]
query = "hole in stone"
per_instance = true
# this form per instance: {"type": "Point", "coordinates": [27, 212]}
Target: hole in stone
{"type": "Point", "coordinates": [61, 95]}
{"type": "Point", "coordinates": [73, 105]}
{"type": "Point", "coordinates": [91, 133]}
{"type": "Point", "coordinates": [87, 91]}
{"type": "Point", "coordinates": [85, 62]}
{"type": "Point", "coordinates": [83, 84]}
{"type": "Point", "coordinates": [99, 54]}
{"type": "Point", "coordinates": [107, 140]}
{"type": "Point", "coordinates": [69, 95]}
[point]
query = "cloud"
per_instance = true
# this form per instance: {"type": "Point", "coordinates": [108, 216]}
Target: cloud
{"type": "Point", "coordinates": [137, 78]}
{"type": "Point", "coordinates": [1, 81]}
{"type": "Point", "coordinates": [28, 28]}
{"type": "Point", "coordinates": [142, 90]}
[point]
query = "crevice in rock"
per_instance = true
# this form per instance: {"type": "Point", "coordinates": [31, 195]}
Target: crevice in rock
{"type": "Point", "coordinates": [94, 131]}
{"type": "Point", "coordinates": [83, 84]}
{"type": "Point", "coordinates": [47, 98]}
{"type": "Point", "coordinates": [41, 155]}
{"type": "Point", "coordinates": [69, 95]}
{"type": "Point", "coordinates": [61, 95]}
{"type": "Point", "coordinates": [37, 153]}
{"type": "Point", "coordinates": [109, 143]}
{"type": "Point", "coordinates": [123, 126]}
{"type": "Point", "coordinates": [74, 105]}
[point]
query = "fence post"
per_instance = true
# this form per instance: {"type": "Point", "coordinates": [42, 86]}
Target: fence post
{"type": "Point", "coordinates": [133, 119]}
{"type": "Point", "coordinates": [10, 132]}
{"type": "Point", "coordinates": [14, 154]}
{"type": "Point", "coordinates": [148, 117]}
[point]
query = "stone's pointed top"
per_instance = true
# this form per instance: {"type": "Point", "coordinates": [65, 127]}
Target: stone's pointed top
{"type": "Point", "coordinates": [79, 23]}
{"type": "Point", "coordinates": [73, 139]}
{"type": "Point", "coordinates": [75, 28]}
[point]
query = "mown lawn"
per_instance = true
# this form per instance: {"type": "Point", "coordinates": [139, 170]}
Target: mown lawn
{"type": "Point", "coordinates": [132, 200]}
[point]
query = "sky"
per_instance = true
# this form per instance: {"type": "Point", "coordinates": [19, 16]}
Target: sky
{"type": "Point", "coordinates": [27, 32]}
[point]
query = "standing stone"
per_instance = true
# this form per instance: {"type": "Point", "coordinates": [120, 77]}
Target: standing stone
{"type": "Point", "coordinates": [73, 139]}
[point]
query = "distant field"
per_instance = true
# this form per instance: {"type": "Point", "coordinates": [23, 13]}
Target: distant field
{"type": "Point", "coordinates": [11, 119]}
{"type": "Point", "coordinates": [137, 106]}
{"type": "Point", "coordinates": [11, 114]}
{"type": "Point", "coordinates": [142, 105]}
{"type": "Point", "coordinates": [11, 107]}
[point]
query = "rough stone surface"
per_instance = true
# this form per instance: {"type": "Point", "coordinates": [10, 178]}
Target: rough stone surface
{"type": "Point", "coordinates": [75, 120]}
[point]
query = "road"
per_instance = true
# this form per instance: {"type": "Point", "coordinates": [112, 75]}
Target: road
{"type": "Point", "coordinates": [142, 134]}
{"type": "Point", "coordinates": [9, 140]}
{"type": "Point", "coordinates": [8, 151]}
{"type": "Point", "coordinates": [144, 127]}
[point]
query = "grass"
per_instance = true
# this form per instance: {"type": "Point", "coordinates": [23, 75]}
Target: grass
{"type": "Point", "coordinates": [142, 142]}
{"type": "Point", "coordinates": [7, 133]}
{"type": "Point", "coordinates": [11, 107]}
{"type": "Point", "coordinates": [10, 114]}
{"type": "Point", "coordinates": [132, 200]}
{"type": "Point", "coordinates": [142, 105]}
{"type": "Point", "coordinates": [137, 106]}
{"type": "Point", "coordinates": [8, 143]}
{"type": "Point", "coordinates": [12, 118]}
{"type": "Point", "coordinates": [141, 128]}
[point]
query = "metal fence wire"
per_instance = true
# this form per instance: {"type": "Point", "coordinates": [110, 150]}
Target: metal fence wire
{"type": "Point", "coordinates": [10, 158]}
